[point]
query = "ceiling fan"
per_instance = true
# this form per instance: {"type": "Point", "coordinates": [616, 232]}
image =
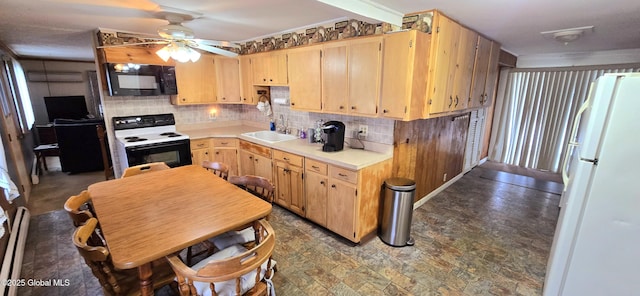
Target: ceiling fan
{"type": "Point", "coordinates": [179, 40]}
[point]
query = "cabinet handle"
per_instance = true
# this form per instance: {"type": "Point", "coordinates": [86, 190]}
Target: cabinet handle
{"type": "Point", "coordinates": [256, 160]}
{"type": "Point", "coordinates": [450, 100]}
{"type": "Point", "coordinates": [315, 167]}
{"type": "Point", "coordinates": [321, 182]}
{"type": "Point", "coordinates": [341, 107]}
{"type": "Point", "coordinates": [456, 101]}
{"type": "Point", "coordinates": [264, 79]}
{"type": "Point", "coordinates": [286, 158]}
{"type": "Point", "coordinates": [184, 99]}
{"type": "Point", "coordinates": [224, 143]}
{"type": "Point", "coordinates": [270, 80]}
{"type": "Point", "coordinates": [341, 175]}
{"type": "Point", "coordinates": [333, 186]}
{"type": "Point", "coordinates": [353, 107]}
{"type": "Point", "coordinates": [385, 111]}
{"type": "Point", "coordinates": [244, 99]}
{"type": "Point", "coordinates": [224, 98]}
{"type": "Point", "coordinates": [293, 104]}
{"type": "Point", "coordinates": [217, 152]}
{"type": "Point", "coordinates": [250, 157]}
{"type": "Point", "coordinates": [206, 153]}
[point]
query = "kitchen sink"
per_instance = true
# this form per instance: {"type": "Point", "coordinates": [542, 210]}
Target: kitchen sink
{"type": "Point", "coordinates": [269, 136]}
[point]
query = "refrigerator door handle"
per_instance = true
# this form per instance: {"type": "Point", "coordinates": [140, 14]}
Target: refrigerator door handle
{"type": "Point", "coordinates": [573, 142]}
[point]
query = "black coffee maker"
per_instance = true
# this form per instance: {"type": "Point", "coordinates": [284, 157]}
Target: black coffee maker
{"type": "Point", "coordinates": [335, 136]}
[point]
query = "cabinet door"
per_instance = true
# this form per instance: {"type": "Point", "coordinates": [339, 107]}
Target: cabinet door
{"type": "Point", "coordinates": [341, 209]}
{"type": "Point", "coordinates": [196, 82]}
{"type": "Point", "coordinates": [260, 66]}
{"type": "Point", "coordinates": [247, 164]}
{"type": "Point", "coordinates": [464, 68]}
{"type": "Point", "coordinates": [480, 68]}
{"type": "Point", "coordinates": [296, 185]}
{"type": "Point", "coordinates": [262, 167]}
{"type": "Point", "coordinates": [492, 75]}
{"type": "Point", "coordinates": [277, 68]}
{"type": "Point", "coordinates": [228, 157]}
{"type": "Point", "coordinates": [316, 197]}
{"type": "Point", "coordinates": [364, 75]}
{"type": "Point", "coordinates": [305, 83]}
{"type": "Point", "coordinates": [442, 71]}
{"type": "Point", "coordinates": [246, 80]}
{"type": "Point", "coordinates": [283, 185]}
{"type": "Point", "coordinates": [200, 155]}
{"type": "Point", "coordinates": [396, 66]}
{"type": "Point", "coordinates": [228, 79]}
{"type": "Point", "coordinates": [335, 86]}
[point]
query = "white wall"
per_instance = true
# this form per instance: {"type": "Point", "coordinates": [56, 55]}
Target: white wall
{"type": "Point", "coordinates": [610, 57]}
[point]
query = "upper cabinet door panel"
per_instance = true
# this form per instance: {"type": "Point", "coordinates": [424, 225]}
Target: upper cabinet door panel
{"type": "Point", "coordinates": [305, 78]}
{"type": "Point", "coordinates": [335, 86]}
{"type": "Point", "coordinates": [364, 76]}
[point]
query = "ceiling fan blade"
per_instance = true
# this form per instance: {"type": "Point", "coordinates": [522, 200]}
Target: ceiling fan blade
{"type": "Point", "coordinates": [133, 44]}
{"type": "Point", "coordinates": [216, 43]}
{"type": "Point", "coordinates": [215, 50]}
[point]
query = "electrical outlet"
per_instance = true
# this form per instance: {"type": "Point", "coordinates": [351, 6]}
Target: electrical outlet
{"type": "Point", "coordinates": [363, 130]}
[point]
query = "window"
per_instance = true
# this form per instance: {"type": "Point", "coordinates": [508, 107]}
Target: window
{"type": "Point", "coordinates": [20, 94]}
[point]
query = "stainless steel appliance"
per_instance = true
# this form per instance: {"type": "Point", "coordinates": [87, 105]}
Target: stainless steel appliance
{"type": "Point", "coordinates": [335, 136]}
{"type": "Point", "coordinates": [141, 80]}
{"type": "Point", "coordinates": [150, 138]}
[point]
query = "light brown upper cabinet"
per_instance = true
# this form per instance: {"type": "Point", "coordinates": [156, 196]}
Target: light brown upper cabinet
{"type": "Point", "coordinates": [351, 76]}
{"type": "Point", "coordinates": [246, 81]}
{"type": "Point", "coordinates": [492, 75]}
{"type": "Point", "coordinates": [304, 70]}
{"type": "Point", "coordinates": [196, 82]}
{"type": "Point", "coordinates": [464, 68]}
{"type": "Point", "coordinates": [480, 71]}
{"type": "Point", "coordinates": [444, 50]}
{"type": "Point", "coordinates": [270, 68]}
{"type": "Point", "coordinates": [404, 74]}
{"type": "Point", "coordinates": [228, 79]}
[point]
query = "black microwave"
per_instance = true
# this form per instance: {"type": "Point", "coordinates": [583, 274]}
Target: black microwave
{"type": "Point", "coordinates": [140, 80]}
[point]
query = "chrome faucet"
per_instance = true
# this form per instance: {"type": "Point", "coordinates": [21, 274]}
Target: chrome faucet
{"type": "Point", "coordinates": [283, 128]}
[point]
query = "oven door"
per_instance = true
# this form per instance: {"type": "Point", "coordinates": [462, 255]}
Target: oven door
{"type": "Point", "coordinates": [174, 153]}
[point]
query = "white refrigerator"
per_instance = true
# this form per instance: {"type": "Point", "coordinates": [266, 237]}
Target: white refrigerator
{"type": "Point", "coordinates": [596, 246]}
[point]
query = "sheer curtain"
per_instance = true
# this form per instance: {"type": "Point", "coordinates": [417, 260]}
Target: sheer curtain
{"type": "Point", "coordinates": [534, 112]}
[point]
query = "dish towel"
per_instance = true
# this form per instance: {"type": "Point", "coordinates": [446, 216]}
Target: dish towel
{"type": "Point", "coordinates": [10, 189]}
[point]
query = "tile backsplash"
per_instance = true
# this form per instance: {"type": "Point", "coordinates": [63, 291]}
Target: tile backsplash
{"type": "Point", "coordinates": [379, 130]}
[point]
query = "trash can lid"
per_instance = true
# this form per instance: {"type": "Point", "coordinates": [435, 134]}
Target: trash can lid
{"type": "Point", "coordinates": [401, 184]}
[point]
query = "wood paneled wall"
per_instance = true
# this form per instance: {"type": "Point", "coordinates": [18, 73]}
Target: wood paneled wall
{"type": "Point", "coordinates": [430, 151]}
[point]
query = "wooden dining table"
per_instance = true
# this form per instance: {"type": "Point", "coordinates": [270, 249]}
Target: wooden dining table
{"type": "Point", "coordinates": [152, 215]}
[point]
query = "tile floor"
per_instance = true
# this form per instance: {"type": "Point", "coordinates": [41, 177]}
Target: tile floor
{"type": "Point", "coordinates": [477, 237]}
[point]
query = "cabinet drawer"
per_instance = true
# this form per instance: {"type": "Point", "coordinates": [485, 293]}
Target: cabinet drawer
{"type": "Point", "coordinates": [292, 159]}
{"type": "Point", "coordinates": [200, 143]}
{"type": "Point", "coordinates": [255, 148]}
{"type": "Point", "coordinates": [225, 142]}
{"type": "Point", "coordinates": [316, 166]}
{"type": "Point", "coordinates": [343, 174]}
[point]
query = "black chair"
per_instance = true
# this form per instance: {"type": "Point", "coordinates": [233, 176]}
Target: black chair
{"type": "Point", "coordinates": [80, 149]}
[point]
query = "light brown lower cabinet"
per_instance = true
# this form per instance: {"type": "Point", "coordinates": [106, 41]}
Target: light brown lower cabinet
{"type": "Point", "coordinates": [255, 160]}
{"type": "Point", "coordinates": [225, 150]}
{"type": "Point", "coordinates": [289, 182]}
{"type": "Point", "coordinates": [200, 151]}
{"type": "Point", "coordinates": [344, 201]}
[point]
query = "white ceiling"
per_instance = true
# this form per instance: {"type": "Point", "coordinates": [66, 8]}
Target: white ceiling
{"type": "Point", "coordinates": [62, 29]}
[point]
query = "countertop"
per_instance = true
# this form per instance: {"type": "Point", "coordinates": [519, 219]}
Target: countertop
{"type": "Point", "coordinates": [353, 159]}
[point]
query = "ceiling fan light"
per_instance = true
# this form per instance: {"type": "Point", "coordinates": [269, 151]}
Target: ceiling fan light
{"type": "Point", "coordinates": [194, 55]}
{"type": "Point", "coordinates": [164, 53]}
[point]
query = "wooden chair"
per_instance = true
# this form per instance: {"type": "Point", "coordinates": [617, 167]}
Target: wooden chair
{"type": "Point", "coordinates": [231, 271]}
{"type": "Point", "coordinates": [258, 186]}
{"type": "Point", "coordinates": [218, 168]}
{"type": "Point", "coordinates": [144, 168]}
{"type": "Point", "coordinates": [115, 281]}
{"type": "Point", "coordinates": [108, 167]}
{"type": "Point", "coordinates": [80, 210]}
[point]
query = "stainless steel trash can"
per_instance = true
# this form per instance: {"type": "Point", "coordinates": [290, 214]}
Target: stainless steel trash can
{"type": "Point", "coordinates": [395, 226]}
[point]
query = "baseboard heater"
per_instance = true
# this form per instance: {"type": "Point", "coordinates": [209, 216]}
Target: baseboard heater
{"type": "Point", "coordinates": [12, 264]}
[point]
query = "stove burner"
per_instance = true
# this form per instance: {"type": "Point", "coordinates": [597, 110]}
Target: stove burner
{"type": "Point", "coordinates": [135, 139]}
{"type": "Point", "coordinates": [171, 134]}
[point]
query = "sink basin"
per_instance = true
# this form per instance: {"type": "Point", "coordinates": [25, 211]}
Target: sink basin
{"type": "Point", "coordinates": [269, 136]}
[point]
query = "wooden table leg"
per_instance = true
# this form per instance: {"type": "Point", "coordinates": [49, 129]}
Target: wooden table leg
{"type": "Point", "coordinates": [146, 283]}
